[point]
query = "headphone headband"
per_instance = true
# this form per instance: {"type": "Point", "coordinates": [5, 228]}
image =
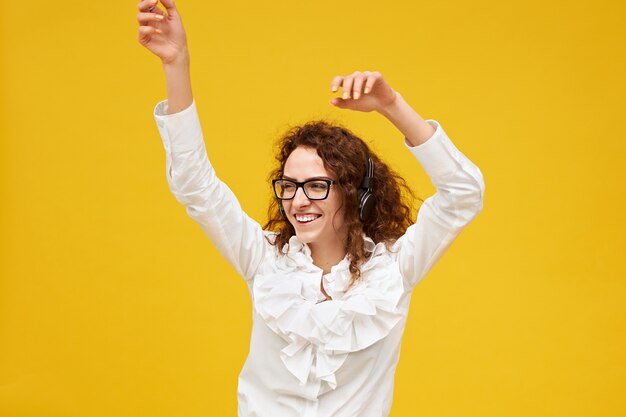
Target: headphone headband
{"type": "Point", "coordinates": [366, 184]}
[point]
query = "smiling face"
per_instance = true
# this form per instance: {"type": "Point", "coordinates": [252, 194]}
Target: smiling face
{"type": "Point", "coordinates": [315, 221]}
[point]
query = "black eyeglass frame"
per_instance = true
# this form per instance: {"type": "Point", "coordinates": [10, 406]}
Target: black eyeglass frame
{"type": "Point", "coordinates": [301, 185]}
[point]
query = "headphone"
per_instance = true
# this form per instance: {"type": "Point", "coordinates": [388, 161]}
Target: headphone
{"type": "Point", "coordinates": [365, 197]}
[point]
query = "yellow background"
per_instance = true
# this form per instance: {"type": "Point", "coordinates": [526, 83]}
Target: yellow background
{"type": "Point", "coordinates": [113, 302]}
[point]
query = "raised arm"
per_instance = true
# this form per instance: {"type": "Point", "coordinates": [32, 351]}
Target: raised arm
{"type": "Point", "coordinates": [459, 183]}
{"type": "Point", "coordinates": [190, 175]}
{"type": "Point", "coordinates": [163, 34]}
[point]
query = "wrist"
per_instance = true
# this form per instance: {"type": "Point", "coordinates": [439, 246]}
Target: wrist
{"type": "Point", "coordinates": [393, 107]}
{"type": "Point", "coordinates": [414, 128]}
{"type": "Point", "coordinates": [180, 60]}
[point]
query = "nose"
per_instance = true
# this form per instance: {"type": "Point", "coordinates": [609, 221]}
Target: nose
{"type": "Point", "coordinates": [300, 199]}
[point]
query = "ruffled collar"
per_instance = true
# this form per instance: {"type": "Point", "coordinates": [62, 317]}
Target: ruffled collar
{"type": "Point", "coordinates": [319, 336]}
{"type": "Point", "coordinates": [298, 255]}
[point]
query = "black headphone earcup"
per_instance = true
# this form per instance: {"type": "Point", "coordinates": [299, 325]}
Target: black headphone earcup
{"type": "Point", "coordinates": [367, 202]}
{"type": "Point", "coordinates": [366, 199]}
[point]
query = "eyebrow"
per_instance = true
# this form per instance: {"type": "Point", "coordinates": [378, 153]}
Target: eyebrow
{"type": "Point", "coordinates": [308, 179]}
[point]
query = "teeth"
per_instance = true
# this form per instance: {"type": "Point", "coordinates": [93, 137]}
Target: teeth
{"type": "Point", "coordinates": [306, 218]}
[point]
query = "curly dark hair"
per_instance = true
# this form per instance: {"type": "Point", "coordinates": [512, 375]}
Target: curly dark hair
{"type": "Point", "coordinates": [344, 154]}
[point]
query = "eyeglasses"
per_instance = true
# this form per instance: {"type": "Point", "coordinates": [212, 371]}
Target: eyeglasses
{"type": "Point", "coordinates": [313, 189]}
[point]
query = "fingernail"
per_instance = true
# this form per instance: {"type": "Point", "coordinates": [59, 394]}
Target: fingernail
{"type": "Point", "coordinates": [367, 90]}
{"type": "Point", "coordinates": [159, 16]}
{"type": "Point", "coordinates": [345, 96]}
{"type": "Point", "coordinates": [333, 89]}
{"type": "Point", "coordinates": [356, 95]}
{"type": "Point", "coordinates": [158, 30]}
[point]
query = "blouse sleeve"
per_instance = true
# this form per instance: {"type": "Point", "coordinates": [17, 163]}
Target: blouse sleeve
{"type": "Point", "coordinates": [458, 199]}
{"type": "Point", "coordinates": [208, 201]}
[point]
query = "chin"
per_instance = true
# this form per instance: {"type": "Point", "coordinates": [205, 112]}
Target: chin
{"type": "Point", "coordinates": [306, 236]}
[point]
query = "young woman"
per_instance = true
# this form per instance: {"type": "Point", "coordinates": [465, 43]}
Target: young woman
{"type": "Point", "coordinates": [331, 275]}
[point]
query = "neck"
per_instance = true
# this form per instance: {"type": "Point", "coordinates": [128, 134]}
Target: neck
{"type": "Point", "coordinates": [328, 254]}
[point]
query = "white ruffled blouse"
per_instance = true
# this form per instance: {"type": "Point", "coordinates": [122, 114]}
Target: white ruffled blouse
{"type": "Point", "coordinates": [310, 358]}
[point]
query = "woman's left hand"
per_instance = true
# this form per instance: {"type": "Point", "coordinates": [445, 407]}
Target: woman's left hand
{"type": "Point", "coordinates": [363, 91]}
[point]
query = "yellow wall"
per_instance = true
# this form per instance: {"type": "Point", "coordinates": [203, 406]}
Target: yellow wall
{"type": "Point", "coordinates": [113, 302]}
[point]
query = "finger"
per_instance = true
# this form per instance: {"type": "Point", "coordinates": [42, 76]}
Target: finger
{"type": "Point", "coordinates": [169, 5]}
{"type": "Point", "coordinates": [146, 33]}
{"type": "Point", "coordinates": [335, 83]}
{"type": "Point", "coordinates": [145, 5]}
{"type": "Point", "coordinates": [371, 80]}
{"type": "Point", "coordinates": [347, 87]}
{"type": "Point", "coordinates": [147, 18]}
{"type": "Point", "coordinates": [338, 102]}
{"type": "Point", "coordinates": [358, 85]}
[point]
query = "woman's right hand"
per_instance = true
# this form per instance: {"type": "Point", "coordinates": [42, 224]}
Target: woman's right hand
{"type": "Point", "coordinates": [162, 33]}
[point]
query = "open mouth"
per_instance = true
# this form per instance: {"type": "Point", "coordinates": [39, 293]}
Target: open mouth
{"type": "Point", "coordinates": [307, 218]}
